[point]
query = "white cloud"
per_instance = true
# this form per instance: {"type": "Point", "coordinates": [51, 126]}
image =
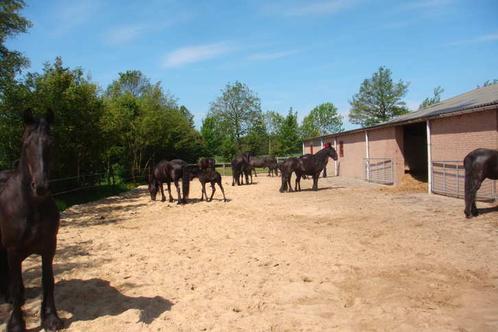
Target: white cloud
{"type": "Point", "coordinates": [197, 53]}
{"type": "Point", "coordinates": [310, 7]}
{"type": "Point", "coordinates": [123, 34]}
{"type": "Point", "coordinates": [271, 55]}
{"type": "Point", "coordinates": [487, 38]}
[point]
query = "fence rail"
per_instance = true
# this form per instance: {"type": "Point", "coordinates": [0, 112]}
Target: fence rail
{"type": "Point", "coordinates": [378, 170]}
{"type": "Point", "coordinates": [448, 179]}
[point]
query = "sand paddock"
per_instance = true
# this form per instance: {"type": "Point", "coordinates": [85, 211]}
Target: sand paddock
{"type": "Point", "coordinates": [350, 257]}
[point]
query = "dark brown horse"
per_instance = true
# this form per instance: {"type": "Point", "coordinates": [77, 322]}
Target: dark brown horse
{"type": "Point", "coordinates": [311, 165]}
{"type": "Point", "coordinates": [166, 172]}
{"type": "Point", "coordinates": [204, 175]}
{"type": "Point", "coordinates": [262, 162]}
{"type": "Point", "coordinates": [205, 163]}
{"type": "Point", "coordinates": [241, 167]}
{"type": "Point", "coordinates": [479, 164]}
{"type": "Point", "coordinates": [29, 222]}
{"type": "Point", "coordinates": [287, 167]}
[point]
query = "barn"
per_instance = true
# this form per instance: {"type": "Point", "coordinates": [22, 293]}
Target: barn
{"type": "Point", "coordinates": [428, 144]}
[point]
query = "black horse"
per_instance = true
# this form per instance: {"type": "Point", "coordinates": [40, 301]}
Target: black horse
{"type": "Point", "coordinates": [5, 175]}
{"type": "Point", "coordinates": [204, 175]}
{"type": "Point", "coordinates": [241, 167]}
{"type": "Point", "coordinates": [205, 163]}
{"type": "Point", "coordinates": [479, 164]}
{"type": "Point", "coordinates": [311, 165]}
{"type": "Point", "coordinates": [287, 167]}
{"type": "Point", "coordinates": [29, 222]}
{"type": "Point", "coordinates": [263, 161]}
{"type": "Point", "coordinates": [166, 172]}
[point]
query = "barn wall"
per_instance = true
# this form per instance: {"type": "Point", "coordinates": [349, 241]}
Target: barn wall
{"type": "Point", "coordinates": [388, 143]}
{"type": "Point", "coordinates": [454, 137]}
{"type": "Point", "coordinates": [316, 143]}
{"type": "Point", "coordinates": [351, 164]}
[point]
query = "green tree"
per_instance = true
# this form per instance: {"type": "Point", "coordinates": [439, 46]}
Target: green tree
{"type": "Point", "coordinates": [78, 109]}
{"type": "Point", "coordinates": [257, 137]}
{"type": "Point", "coordinates": [289, 138]}
{"type": "Point", "coordinates": [488, 83]}
{"type": "Point", "coordinates": [438, 91]}
{"type": "Point", "coordinates": [186, 113]}
{"type": "Point", "coordinates": [238, 108]}
{"type": "Point", "coordinates": [379, 99]}
{"type": "Point", "coordinates": [11, 23]}
{"type": "Point", "coordinates": [273, 123]}
{"type": "Point", "coordinates": [213, 136]}
{"type": "Point", "coordinates": [322, 120]}
{"type": "Point", "coordinates": [143, 124]}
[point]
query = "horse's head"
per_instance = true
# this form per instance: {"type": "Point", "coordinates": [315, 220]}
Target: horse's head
{"type": "Point", "coordinates": [37, 148]}
{"type": "Point", "coordinates": [331, 152]}
{"type": "Point", "coordinates": [153, 187]}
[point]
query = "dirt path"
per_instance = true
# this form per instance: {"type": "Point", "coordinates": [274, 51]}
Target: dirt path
{"type": "Point", "coordinates": [350, 257]}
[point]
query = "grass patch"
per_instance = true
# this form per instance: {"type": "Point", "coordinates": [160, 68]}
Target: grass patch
{"type": "Point", "coordinates": [65, 201]}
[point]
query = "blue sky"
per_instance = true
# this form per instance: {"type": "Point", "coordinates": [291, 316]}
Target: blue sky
{"type": "Point", "coordinates": [292, 53]}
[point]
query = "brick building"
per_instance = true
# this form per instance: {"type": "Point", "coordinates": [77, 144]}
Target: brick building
{"type": "Point", "coordinates": [430, 144]}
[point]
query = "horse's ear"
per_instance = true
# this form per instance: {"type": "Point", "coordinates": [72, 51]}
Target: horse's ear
{"type": "Point", "coordinates": [28, 116]}
{"type": "Point", "coordinates": [49, 116]}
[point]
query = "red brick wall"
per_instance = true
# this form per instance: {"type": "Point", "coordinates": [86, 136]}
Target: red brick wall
{"type": "Point", "coordinates": [316, 143]}
{"type": "Point", "coordinates": [388, 143]}
{"type": "Point", "coordinates": [351, 165]}
{"type": "Point", "coordinates": [454, 137]}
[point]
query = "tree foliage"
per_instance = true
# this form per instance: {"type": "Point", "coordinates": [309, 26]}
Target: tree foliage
{"type": "Point", "coordinates": [11, 23]}
{"type": "Point", "coordinates": [436, 98]}
{"type": "Point", "coordinates": [322, 120]}
{"type": "Point", "coordinates": [379, 99]}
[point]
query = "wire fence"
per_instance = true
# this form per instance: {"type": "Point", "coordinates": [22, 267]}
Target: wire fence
{"type": "Point", "coordinates": [448, 179]}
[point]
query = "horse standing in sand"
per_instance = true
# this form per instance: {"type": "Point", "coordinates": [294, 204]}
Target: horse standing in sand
{"type": "Point", "coordinates": [166, 172]}
{"type": "Point", "coordinates": [29, 222]}
{"type": "Point", "coordinates": [311, 165]}
{"type": "Point", "coordinates": [479, 165]}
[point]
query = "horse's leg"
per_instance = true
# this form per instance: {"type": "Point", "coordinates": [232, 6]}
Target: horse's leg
{"type": "Point", "coordinates": [297, 181]}
{"type": "Point", "coordinates": [315, 181]}
{"type": "Point", "coordinates": [283, 186]}
{"type": "Point", "coordinates": [213, 189]}
{"type": "Point", "coordinates": [222, 190]}
{"type": "Point", "coordinates": [203, 190]}
{"type": "Point", "coordinates": [178, 192]}
{"type": "Point", "coordinates": [49, 317]}
{"type": "Point", "coordinates": [163, 198]}
{"type": "Point", "coordinates": [169, 191]}
{"type": "Point", "coordinates": [4, 275]}
{"type": "Point", "coordinates": [472, 185]}
{"type": "Point", "coordinates": [16, 321]}
{"type": "Point", "coordinates": [289, 185]}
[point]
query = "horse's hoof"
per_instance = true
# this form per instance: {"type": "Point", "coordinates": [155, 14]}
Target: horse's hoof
{"type": "Point", "coordinates": [475, 213]}
{"type": "Point", "coordinates": [52, 323]}
{"type": "Point", "coordinates": [163, 200]}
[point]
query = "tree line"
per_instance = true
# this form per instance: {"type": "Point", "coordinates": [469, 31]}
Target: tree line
{"type": "Point", "coordinates": [133, 122]}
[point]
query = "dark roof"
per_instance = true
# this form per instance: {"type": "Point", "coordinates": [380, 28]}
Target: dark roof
{"type": "Point", "coordinates": [471, 101]}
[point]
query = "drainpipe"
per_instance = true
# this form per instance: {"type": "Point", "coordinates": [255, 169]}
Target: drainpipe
{"type": "Point", "coordinates": [336, 162]}
{"type": "Point", "coordinates": [367, 154]}
{"type": "Point", "coordinates": [303, 147]}
{"type": "Point", "coordinates": [321, 143]}
{"type": "Point", "coordinates": [429, 158]}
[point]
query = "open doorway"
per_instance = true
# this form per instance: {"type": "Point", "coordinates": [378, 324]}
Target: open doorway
{"type": "Point", "coordinates": [415, 150]}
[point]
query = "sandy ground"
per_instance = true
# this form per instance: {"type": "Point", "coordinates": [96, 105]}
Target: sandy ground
{"type": "Point", "coordinates": [350, 257]}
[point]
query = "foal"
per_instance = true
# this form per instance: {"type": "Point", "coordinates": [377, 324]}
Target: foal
{"type": "Point", "coordinates": [29, 222]}
{"type": "Point", "coordinates": [207, 175]}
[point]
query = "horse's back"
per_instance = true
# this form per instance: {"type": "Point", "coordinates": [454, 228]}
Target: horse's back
{"type": "Point", "coordinates": [485, 160]}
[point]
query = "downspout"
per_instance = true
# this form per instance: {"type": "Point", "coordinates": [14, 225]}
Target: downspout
{"type": "Point", "coordinates": [367, 154]}
{"type": "Point", "coordinates": [429, 158]}
{"type": "Point", "coordinates": [336, 162]}
{"type": "Point", "coordinates": [303, 147]}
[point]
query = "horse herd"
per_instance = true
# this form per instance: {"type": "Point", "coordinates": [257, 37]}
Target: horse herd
{"type": "Point", "coordinates": [29, 218]}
